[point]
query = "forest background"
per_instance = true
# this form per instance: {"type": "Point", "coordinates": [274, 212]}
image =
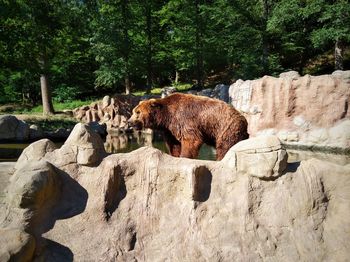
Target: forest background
{"type": "Point", "coordinates": [65, 50]}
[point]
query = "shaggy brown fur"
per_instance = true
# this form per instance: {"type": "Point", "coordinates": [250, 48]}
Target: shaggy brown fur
{"type": "Point", "coordinates": [188, 121]}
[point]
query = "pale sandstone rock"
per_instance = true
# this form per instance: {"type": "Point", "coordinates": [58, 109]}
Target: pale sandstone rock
{"type": "Point", "coordinates": [16, 245]}
{"type": "Point", "coordinates": [149, 206]}
{"type": "Point", "coordinates": [106, 101]}
{"type": "Point", "coordinates": [83, 147]}
{"type": "Point", "coordinates": [302, 106]}
{"type": "Point", "coordinates": [263, 157]}
{"type": "Point", "coordinates": [114, 111]}
{"type": "Point", "coordinates": [33, 189]}
{"type": "Point", "coordinates": [6, 171]}
{"type": "Point", "coordinates": [290, 74]}
{"type": "Point", "coordinates": [342, 74]}
{"type": "Point", "coordinates": [34, 152]}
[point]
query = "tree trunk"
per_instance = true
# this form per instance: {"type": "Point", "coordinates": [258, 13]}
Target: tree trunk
{"type": "Point", "coordinates": [127, 85]}
{"type": "Point", "coordinates": [199, 45]}
{"type": "Point", "coordinates": [126, 47]}
{"type": "Point", "coordinates": [45, 87]}
{"type": "Point", "coordinates": [149, 45]}
{"type": "Point", "coordinates": [177, 76]}
{"type": "Point", "coordinates": [338, 55]}
{"type": "Point", "coordinates": [46, 95]}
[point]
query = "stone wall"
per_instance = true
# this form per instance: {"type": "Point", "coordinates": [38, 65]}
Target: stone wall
{"type": "Point", "coordinates": [76, 202]}
{"type": "Point", "coordinates": [309, 111]}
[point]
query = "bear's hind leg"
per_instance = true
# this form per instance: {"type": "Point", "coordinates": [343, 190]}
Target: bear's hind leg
{"type": "Point", "coordinates": [221, 149]}
{"type": "Point", "coordinates": [174, 149]}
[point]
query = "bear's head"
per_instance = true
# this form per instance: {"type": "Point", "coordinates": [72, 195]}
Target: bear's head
{"type": "Point", "coordinates": [146, 114]}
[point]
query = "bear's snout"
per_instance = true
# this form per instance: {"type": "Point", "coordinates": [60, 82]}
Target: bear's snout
{"type": "Point", "coordinates": [135, 124]}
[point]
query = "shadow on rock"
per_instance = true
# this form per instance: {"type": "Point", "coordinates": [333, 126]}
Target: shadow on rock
{"type": "Point", "coordinates": [73, 199]}
{"type": "Point", "coordinates": [115, 193]}
{"type": "Point", "coordinates": [292, 167]}
{"type": "Point", "coordinates": [57, 252]}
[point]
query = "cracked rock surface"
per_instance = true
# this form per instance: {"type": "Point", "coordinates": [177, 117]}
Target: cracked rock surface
{"type": "Point", "coordinates": [149, 206]}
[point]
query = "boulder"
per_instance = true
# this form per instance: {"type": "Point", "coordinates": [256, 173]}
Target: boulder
{"type": "Point", "coordinates": [106, 101]}
{"type": "Point", "coordinates": [342, 74]}
{"type": "Point", "coordinates": [263, 157]}
{"type": "Point", "coordinates": [168, 90]}
{"type": "Point", "coordinates": [206, 92]}
{"type": "Point", "coordinates": [35, 152]}
{"type": "Point", "coordinates": [58, 134]}
{"type": "Point", "coordinates": [221, 92]}
{"type": "Point", "coordinates": [83, 147]}
{"type": "Point", "coordinates": [32, 191]}
{"type": "Point", "coordinates": [13, 129]}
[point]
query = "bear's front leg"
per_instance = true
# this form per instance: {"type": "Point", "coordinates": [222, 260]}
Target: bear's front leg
{"type": "Point", "coordinates": [190, 148]}
{"type": "Point", "coordinates": [173, 145]}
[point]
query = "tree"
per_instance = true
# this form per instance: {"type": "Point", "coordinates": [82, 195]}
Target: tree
{"type": "Point", "coordinates": [114, 43]}
{"type": "Point", "coordinates": [40, 43]}
{"type": "Point", "coordinates": [333, 27]}
{"type": "Point", "coordinates": [187, 31]}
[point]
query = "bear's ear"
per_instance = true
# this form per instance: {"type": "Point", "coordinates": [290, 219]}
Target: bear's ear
{"type": "Point", "coordinates": [155, 104]}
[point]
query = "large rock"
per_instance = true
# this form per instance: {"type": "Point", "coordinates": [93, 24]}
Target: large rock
{"type": "Point", "coordinates": [263, 157]}
{"type": "Point", "coordinates": [307, 111]}
{"type": "Point", "coordinates": [83, 147]}
{"type": "Point", "coordinates": [13, 129]}
{"type": "Point", "coordinates": [33, 189]}
{"type": "Point", "coordinates": [34, 152]}
{"type": "Point", "coordinates": [149, 206]}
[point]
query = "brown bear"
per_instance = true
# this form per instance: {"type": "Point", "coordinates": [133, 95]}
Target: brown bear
{"type": "Point", "coordinates": [188, 121]}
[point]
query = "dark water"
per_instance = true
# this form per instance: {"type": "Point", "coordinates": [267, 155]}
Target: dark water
{"type": "Point", "coordinates": [123, 143]}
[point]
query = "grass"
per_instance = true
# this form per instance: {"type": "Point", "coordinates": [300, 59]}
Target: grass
{"type": "Point", "coordinates": [52, 123]}
{"type": "Point", "coordinates": [181, 87]}
{"type": "Point", "coordinates": [57, 106]}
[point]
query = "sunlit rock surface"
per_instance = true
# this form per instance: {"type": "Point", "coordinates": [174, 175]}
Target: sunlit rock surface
{"type": "Point", "coordinates": [310, 111]}
{"type": "Point", "coordinates": [149, 206]}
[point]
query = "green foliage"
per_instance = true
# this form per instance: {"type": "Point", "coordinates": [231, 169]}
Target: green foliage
{"type": "Point", "coordinates": [59, 106]}
{"type": "Point", "coordinates": [95, 47]}
{"type": "Point", "coordinates": [334, 20]}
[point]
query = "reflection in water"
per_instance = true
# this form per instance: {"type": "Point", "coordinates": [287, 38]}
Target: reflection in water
{"type": "Point", "coordinates": [123, 143]}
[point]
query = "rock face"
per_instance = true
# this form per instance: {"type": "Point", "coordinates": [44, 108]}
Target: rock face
{"type": "Point", "coordinates": [149, 206]}
{"type": "Point", "coordinates": [114, 112]}
{"type": "Point", "coordinates": [309, 111]}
